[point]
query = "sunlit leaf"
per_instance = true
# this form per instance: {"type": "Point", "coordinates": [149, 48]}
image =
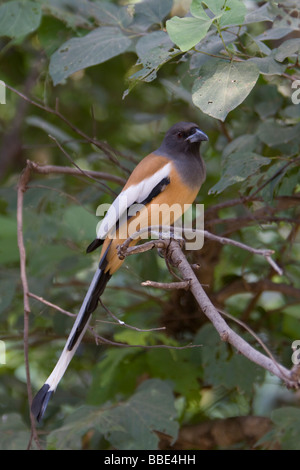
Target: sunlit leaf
{"type": "Point", "coordinates": [222, 86]}
{"type": "Point", "coordinates": [187, 32]}
{"type": "Point", "coordinates": [229, 11]}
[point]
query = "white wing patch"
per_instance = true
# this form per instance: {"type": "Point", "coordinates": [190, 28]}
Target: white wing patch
{"type": "Point", "coordinates": [135, 193]}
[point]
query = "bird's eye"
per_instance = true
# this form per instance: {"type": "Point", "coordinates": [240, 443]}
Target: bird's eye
{"type": "Point", "coordinates": [180, 135]}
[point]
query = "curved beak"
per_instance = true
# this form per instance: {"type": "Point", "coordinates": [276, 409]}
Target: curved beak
{"type": "Point", "coordinates": [197, 136]}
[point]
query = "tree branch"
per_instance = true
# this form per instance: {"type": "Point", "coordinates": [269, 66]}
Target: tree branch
{"type": "Point", "coordinates": [167, 285]}
{"type": "Point", "coordinates": [66, 170]}
{"type": "Point", "coordinates": [157, 230]}
{"type": "Point", "coordinates": [50, 304]}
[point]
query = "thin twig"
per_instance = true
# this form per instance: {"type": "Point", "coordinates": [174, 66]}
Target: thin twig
{"type": "Point", "coordinates": [122, 323]}
{"type": "Point", "coordinates": [22, 185]}
{"type": "Point", "coordinates": [50, 304]}
{"type": "Point", "coordinates": [153, 346]}
{"type": "Point", "coordinates": [257, 251]}
{"type": "Point", "coordinates": [66, 170]}
{"type": "Point", "coordinates": [257, 338]}
{"type": "Point", "coordinates": [113, 343]}
{"type": "Point", "coordinates": [80, 169]}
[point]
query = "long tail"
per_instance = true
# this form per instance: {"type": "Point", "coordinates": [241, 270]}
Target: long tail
{"type": "Point", "coordinates": [89, 305]}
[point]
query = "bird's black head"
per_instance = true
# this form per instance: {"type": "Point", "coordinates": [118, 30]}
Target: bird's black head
{"type": "Point", "coordinates": [183, 137]}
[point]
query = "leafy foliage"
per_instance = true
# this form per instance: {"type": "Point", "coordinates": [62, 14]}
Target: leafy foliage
{"type": "Point", "coordinates": [19, 19]}
{"type": "Point", "coordinates": [129, 425]}
{"type": "Point", "coordinates": [123, 73]}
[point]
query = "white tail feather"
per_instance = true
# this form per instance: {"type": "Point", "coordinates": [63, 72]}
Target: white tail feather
{"type": "Point", "coordinates": [64, 360]}
{"type": "Point", "coordinates": [66, 355]}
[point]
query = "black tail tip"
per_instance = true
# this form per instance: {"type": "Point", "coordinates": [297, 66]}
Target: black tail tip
{"type": "Point", "coordinates": [94, 245]}
{"type": "Point", "coordinates": [40, 402]}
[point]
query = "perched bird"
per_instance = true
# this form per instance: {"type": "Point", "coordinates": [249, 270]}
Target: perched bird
{"type": "Point", "coordinates": [171, 174]}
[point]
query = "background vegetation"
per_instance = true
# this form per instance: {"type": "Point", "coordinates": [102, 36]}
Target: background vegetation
{"type": "Point", "coordinates": [98, 83]}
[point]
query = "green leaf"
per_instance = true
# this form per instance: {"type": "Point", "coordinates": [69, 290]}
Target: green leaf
{"type": "Point", "coordinates": [76, 425]}
{"type": "Point", "coordinates": [212, 44]}
{"type": "Point", "coordinates": [107, 13]}
{"type": "Point", "coordinates": [267, 193]}
{"type": "Point", "coordinates": [240, 144]}
{"type": "Point", "coordinates": [224, 366]}
{"type": "Point", "coordinates": [149, 410]}
{"type": "Point", "coordinates": [287, 425]}
{"type": "Point", "coordinates": [14, 435]}
{"type": "Point", "coordinates": [115, 375]}
{"type": "Point", "coordinates": [80, 13]}
{"type": "Point", "coordinates": [151, 12]}
{"type": "Point", "coordinates": [229, 11]}
{"type": "Point", "coordinates": [176, 366]}
{"type": "Point", "coordinates": [273, 134]}
{"type": "Point", "coordinates": [263, 48]}
{"type": "Point", "coordinates": [268, 101]}
{"type": "Point", "coordinates": [262, 13]}
{"type": "Point", "coordinates": [19, 18]}
{"type": "Point", "coordinates": [237, 167]}
{"type": "Point", "coordinates": [286, 17]}
{"type": "Point", "coordinates": [197, 10]}
{"type": "Point", "coordinates": [274, 33]}
{"type": "Point", "coordinates": [268, 65]}
{"type": "Point", "coordinates": [153, 50]}
{"type": "Point", "coordinates": [222, 86]}
{"type": "Point", "coordinates": [78, 53]}
{"type": "Point", "coordinates": [287, 49]}
{"type": "Point", "coordinates": [130, 425]}
{"type": "Point", "coordinates": [74, 13]}
{"type": "Point", "coordinates": [187, 32]}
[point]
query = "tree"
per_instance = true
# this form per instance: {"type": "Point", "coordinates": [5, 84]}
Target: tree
{"type": "Point", "coordinates": [89, 88]}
